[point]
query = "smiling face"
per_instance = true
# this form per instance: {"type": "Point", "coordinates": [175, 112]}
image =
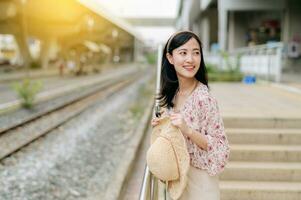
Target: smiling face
{"type": "Point", "coordinates": [186, 59]}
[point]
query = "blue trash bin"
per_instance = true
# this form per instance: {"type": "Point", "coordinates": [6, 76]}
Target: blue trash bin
{"type": "Point", "coordinates": [249, 79]}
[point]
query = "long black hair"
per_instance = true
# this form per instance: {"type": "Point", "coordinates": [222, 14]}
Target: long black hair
{"type": "Point", "coordinates": [169, 79]}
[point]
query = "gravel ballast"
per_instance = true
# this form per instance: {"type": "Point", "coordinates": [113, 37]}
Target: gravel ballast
{"type": "Point", "coordinates": [78, 159]}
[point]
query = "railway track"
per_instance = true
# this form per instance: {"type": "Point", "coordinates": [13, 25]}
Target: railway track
{"type": "Point", "coordinates": [20, 134]}
{"type": "Point", "coordinates": [55, 99]}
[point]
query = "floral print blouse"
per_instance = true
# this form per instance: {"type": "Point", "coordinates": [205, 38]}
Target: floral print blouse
{"type": "Point", "coordinates": [201, 113]}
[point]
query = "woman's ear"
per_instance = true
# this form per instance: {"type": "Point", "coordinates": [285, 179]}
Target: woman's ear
{"type": "Point", "coordinates": [169, 58]}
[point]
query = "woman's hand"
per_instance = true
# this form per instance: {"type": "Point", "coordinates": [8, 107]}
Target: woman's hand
{"type": "Point", "coordinates": [178, 121]}
{"type": "Point", "coordinates": [155, 121]}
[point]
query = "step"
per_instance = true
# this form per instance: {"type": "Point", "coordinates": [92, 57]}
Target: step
{"type": "Point", "coordinates": [249, 122]}
{"type": "Point", "coordinates": [268, 153]}
{"type": "Point", "coordinates": [263, 136]}
{"type": "Point", "coordinates": [262, 171]}
{"type": "Point", "coordinates": [251, 190]}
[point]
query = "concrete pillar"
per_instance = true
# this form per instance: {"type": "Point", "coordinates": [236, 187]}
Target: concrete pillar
{"type": "Point", "coordinates": [49, 49]}
{"type": "Point", "coordinates": [116, 55]}
{"type": "Point", "coordinates": [205, 33]}
{"type": "Point", "coordinates": [285, 25]}
{"type": "Point", "coordinates": [231, 31]}
{"type": "Point", "coordinates": [291, 31]}
{"type": "Point", "coordinates": [44, 56]}
{"type": "Point", "coordinates": [186, 19]}
{"type": "Point", "coordinates": [136, 50]}
{"type": "Point", "coordinates": [127, 54]}
{"type": "Point", "coordinates": [222, 25]}
{"type": "Point", "coordinates": [23, 47]}
{"type": "Point", "coordinates": [196, 27]}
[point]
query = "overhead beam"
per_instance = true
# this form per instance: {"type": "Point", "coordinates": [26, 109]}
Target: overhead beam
{"type": "Point", "coordinates": [151, 21]}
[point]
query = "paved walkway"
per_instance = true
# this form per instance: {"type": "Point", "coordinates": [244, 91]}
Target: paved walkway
{"type": "Point", "coordinates": [293, 77]}
{"type": "Point", "coordinates": [259, 100]}
{"type": "Point", "coordinates": [19, 75]}
{"type": "Point", "coordinates": [53, 71]}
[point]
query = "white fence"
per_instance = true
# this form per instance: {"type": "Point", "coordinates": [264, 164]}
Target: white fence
{"type": "Point", "coordinates": [261, 60]}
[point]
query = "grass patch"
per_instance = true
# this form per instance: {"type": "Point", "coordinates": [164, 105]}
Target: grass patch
{"type": "Point", "coordinates": [231, 74]}
{"type": "Point", "coordinates": [225, 77]}
{"type": "Point", "coordinates": [27, 91]}
{"type": "Point", "coordinates": [151, 57]}
{"type": "Point", "coordinates": [144, 94]}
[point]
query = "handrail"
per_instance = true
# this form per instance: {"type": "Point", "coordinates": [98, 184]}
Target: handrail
{"type": "Point", "coordinates": [145, 189]}
{"type": "Point", "coordinates": [252, 49]}
{"type": "Point", "coordinates": [258, 48]}
{"type": "Point", "coordinates": [149, 189]}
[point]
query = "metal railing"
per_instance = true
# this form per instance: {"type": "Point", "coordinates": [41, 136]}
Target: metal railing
{"type": "Point", "coordinates": [150, 189]}
{"type": "Point", "coordinates": [262, 60]}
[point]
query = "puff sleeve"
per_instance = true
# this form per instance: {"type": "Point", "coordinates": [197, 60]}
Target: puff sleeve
{"type": "Point", "coordinates": [211, 126]}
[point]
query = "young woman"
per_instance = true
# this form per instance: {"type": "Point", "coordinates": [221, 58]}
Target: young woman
{"type": "Point", "coordinates": [185, 96]}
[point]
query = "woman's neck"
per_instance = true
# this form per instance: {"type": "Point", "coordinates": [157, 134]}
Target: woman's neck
{"type": "Point", "coordinates": [186, 85]}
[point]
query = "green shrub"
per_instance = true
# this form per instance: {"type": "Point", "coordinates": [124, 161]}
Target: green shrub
{"type": "Point", "coordinates": [230, 66]}
{"type": "Point", "coordinates": [27, 91]}
{"type": "Point", "coordinates": [151, 58]}
{"type": "Point", "coordinates": [211, 68]}
{"type": "Point", "coordinates": [231, 73]}
{"type": "Point", "coordinates": [225, 77]}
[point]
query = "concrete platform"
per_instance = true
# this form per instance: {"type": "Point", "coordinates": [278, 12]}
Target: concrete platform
{"type": "Point", "coordinates": [263, 125]}
{"type": "Point", "coordinates": [238, 100]}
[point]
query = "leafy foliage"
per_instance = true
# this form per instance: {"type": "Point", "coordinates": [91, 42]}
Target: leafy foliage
{"type": "Point", "coordinates": [27, 91]}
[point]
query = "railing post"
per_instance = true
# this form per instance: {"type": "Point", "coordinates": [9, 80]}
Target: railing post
{"type": "Point", "coordinates": [278, 64]}
{"type": "Point", "coordinates": [144, 192]}
{"type": "Point", "coordinates": [269, 53]}
{"type": "Point", "coordinates": [154, 188]}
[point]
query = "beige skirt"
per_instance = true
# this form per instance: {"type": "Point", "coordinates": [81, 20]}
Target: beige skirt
{"type": "Point", "coordinates": [201, 186]}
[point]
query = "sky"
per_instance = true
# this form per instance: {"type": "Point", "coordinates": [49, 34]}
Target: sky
{"type": "Point", "coordinates": [145, 8]}
{"type": "Point", "coordinates": [142, 8]}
